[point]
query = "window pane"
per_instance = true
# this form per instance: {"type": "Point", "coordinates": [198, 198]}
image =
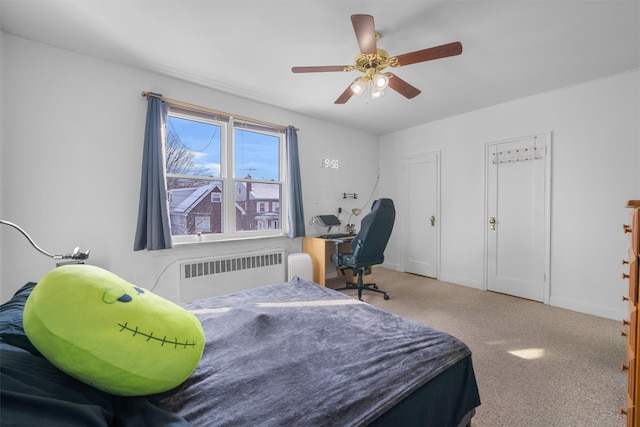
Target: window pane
{"type": "Point", "coordinates": [195, 205]}
{"type": "Point", "coordinates": [203, 224]}
{"type": "Point", "coordinates": [257, 206]}
{"type": "Point", "coordinates": [193, 147]}
{"type": "Point", "coordinates": [257, 155]}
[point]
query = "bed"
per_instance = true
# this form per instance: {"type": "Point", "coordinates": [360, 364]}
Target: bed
{"type": "Point", "coordinates": [288, 354]}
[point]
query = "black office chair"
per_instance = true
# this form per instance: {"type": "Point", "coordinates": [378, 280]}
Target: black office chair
{"type": "Point", "coordinates": [368, 246]}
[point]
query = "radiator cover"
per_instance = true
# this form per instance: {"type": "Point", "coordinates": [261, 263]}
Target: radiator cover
{"type": "Point", "coordinates": [215, 276]}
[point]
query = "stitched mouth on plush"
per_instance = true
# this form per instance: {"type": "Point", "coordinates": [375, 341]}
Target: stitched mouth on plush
{"type": "Point", "coordinates": [175, 343]}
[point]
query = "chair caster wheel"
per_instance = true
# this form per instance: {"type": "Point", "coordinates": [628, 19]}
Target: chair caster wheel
{"type": "Point", "coordinates": [375, 286]}
{"type": "Point", "coordinates": [386, 297]}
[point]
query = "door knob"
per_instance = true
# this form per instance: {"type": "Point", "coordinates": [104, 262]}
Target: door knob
{"type": "Point", "coordinates": [433, 220]}
{"type": "Point", "coordinates": [492, 223]}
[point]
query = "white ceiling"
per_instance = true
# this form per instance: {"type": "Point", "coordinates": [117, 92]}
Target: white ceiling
{"type": "Point", "coordinates": [511, 49]}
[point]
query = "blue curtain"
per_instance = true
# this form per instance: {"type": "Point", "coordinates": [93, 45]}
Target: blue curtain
{"type": "Point", "coordinates": [296, 212]}
{"type": "Point", "coordinates": [153, 230]}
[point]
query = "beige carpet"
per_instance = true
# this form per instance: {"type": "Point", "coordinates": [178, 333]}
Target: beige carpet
{"type": "Point", "coordinates": [566, 366]}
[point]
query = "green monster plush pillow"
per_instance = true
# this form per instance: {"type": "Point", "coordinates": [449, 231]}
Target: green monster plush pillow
{"type": "Point", "coordinates": [108, 333]}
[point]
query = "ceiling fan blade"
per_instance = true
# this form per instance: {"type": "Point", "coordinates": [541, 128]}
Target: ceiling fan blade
{"type": "Point", "coordinates": [365, 33]}
{"type": "Point", "coordinates": [402, 87]}
{"type": "Point", "coordinates": [442, 51]}
{"type": "Point", "coordinates": [345, 96]}
{"type": "Point", "coordinates": [321, 68]}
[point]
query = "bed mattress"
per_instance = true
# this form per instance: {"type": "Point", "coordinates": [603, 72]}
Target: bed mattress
{"type": "Point", "coordinates": [298, 354]}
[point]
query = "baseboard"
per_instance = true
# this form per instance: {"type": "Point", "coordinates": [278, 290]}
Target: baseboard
{"type": "Point", "coordinates": [587, 308]}
{"type": "Point", "coordinates": [391, 266]}
{"type": "Point", "coordinates": [464, 281]}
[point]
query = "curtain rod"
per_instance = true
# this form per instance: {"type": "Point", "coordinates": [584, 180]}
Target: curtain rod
{"type": "Point", "coordinates": [211, 110]}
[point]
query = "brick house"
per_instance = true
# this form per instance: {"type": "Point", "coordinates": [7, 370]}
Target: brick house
{"type": "Point", "coordinates": [200, 208]}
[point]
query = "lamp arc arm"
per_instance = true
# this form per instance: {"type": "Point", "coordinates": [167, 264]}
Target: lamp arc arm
{"type": "Point", "coordinates": [17, 227]}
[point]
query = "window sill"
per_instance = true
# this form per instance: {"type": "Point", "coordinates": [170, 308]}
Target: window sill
{"type": "Point", "coordinates": [197, 240]}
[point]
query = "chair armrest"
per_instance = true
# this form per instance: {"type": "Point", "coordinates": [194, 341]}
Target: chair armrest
{"type": "Point", "coordinates": [336, 259]}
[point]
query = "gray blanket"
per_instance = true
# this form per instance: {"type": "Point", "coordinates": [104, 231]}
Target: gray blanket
{"type": "Point", "coordinates": [296, 354]}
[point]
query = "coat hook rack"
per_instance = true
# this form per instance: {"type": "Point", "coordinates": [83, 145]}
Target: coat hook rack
{"type": "Point", "coordinates": [349, 195]}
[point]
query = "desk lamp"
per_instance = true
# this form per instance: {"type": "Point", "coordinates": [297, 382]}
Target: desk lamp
{"type": "Point", "coordinates": [351, 228]}
{"type": "Point", "coordinates": [75, 257]}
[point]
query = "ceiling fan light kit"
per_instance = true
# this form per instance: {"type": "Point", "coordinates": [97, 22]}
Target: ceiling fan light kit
{"type": "Point", "coordinates": [376, 83]}
{"type": "Point", "coordinates": [359, 86]}
{"type": "Point", "coordinates": [376, 93]}
{"type": "Point", "coordinates": [380, 81]}
{"type": "Point", "coordinates": [371, 61]}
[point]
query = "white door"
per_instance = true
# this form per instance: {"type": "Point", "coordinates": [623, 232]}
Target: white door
{"type": "Point", "coordinates": [517, 217]}
{"type": "Point", "coordinates": [423, 221]}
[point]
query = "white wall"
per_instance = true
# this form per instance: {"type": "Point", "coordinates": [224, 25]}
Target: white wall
{"type": "Point", "coordinates": [71, 156]}
{"type": "Point", "coordinates": [595, 170]}
{"type": "Point", "coordinates": [71, 142]}
{"type": "Point", "coordinates": [2, 182]}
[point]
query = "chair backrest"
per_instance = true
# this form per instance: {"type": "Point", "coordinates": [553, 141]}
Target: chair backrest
{"type": "Point", "coordinates": [375, 229]}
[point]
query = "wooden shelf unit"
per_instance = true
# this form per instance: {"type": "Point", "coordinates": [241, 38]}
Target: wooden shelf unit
{"type": "Point", "coordinates": [631, 331]}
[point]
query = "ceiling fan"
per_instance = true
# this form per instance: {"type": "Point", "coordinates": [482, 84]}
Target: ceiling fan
{"type": "Point", "coordinates": [371, 61]}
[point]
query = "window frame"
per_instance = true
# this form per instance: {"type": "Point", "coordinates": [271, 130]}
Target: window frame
{"type": "Point", "coordinates": [228, 179]}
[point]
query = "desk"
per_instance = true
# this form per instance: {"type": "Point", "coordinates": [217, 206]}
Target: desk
{"type": "Point", "coordinates": [320, 251]}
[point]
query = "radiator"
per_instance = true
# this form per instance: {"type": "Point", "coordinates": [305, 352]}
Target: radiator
{"type": "Point", "coordinates": [209, 277]}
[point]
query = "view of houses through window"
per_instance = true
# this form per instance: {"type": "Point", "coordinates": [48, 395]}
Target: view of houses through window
{"type": "Point", "coordinates": [224, 178]}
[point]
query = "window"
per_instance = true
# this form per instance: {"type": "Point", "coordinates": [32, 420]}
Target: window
{"type": "Point", "coordinates": [225, 178]}
{"type": "Point", "coordinates": [203, 224]}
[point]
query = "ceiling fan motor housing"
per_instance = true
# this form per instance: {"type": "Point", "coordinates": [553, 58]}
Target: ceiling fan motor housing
{"type": "Point", "coordinates": [370, 63]}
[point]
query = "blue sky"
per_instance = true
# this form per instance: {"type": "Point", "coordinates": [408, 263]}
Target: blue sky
{"type": "Point", "coordinates": [256, 154]}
